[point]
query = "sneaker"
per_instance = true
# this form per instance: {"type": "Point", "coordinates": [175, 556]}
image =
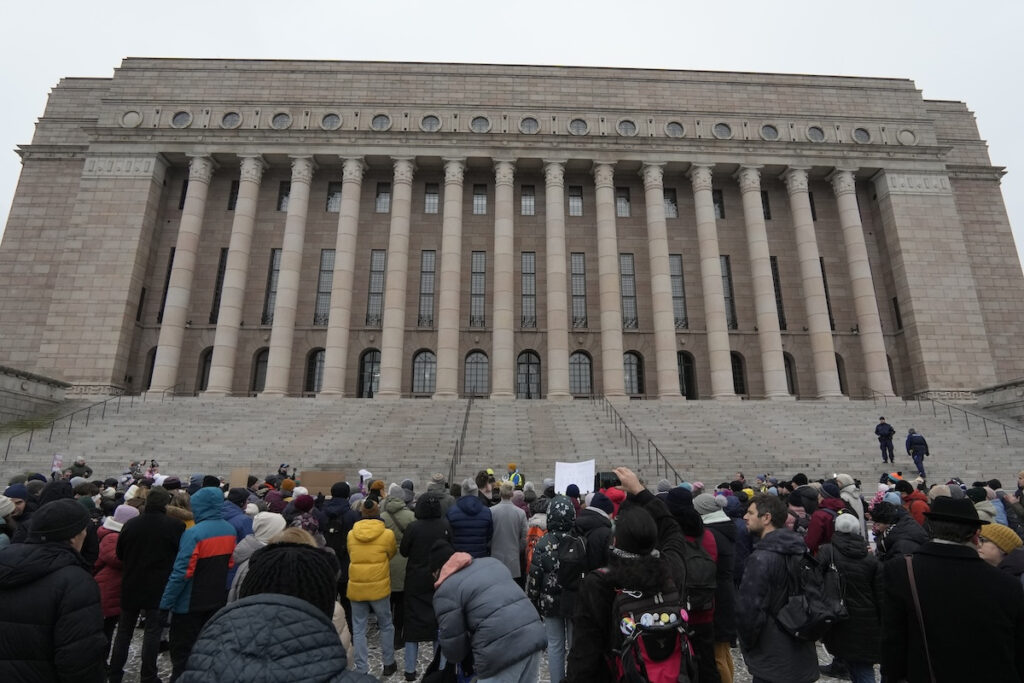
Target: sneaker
{"type": "Point", "coordinates": [410, 675]}
{"type": "Point", "coordinates": [390, 669]}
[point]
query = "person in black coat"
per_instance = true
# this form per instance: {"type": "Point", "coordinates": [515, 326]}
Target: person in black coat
{"type": "Point", "coordinates": [594, 525]}
{"type": "Point", "coordinates": [724, 530]}
{"type": "Point", "coordinates": [947, 570]}
{"type": "Point", "coordinates": [146, 547]}
{"type": "Point", "coordinates": [51, 623]}
{"type": "Point", "coordinates": [896, 532]}
{"type": "Point", "coordinates": [61, 489]}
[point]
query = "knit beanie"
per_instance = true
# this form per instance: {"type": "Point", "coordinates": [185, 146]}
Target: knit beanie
{"type": "Point", "coordinates": [848, 524]}
{"type": "Point", "coordinates": [706, 504]}
{"type": "Point", "coordinates": [893, 498]}
{"type": "Point", "coordinates": [18, 491]}
{"type": "Point", "coordinates": [251, 481]}
{"type": "Point", "coordinates": [295, 569]}
{"type": "Point", "coordinates": [287, 486]}
{"type": "Point", "coordinates": [238, 496]}
{"type": "Point", "coordinates": [210, 480]}
{"type": "Point", "coordinates": [977, 494]}
{"type": "Point", "coordinates": [299, 491]}
{"type": "Point", "coordinates": [57, 521]}
{"type": "Point", "coordinates": [341, 490]}
{"type": "Point", "coordinates": [440, 553]}
{"type": "Point", "coordinates": [369, 509]}
{"type": "Point", "coordinates": [6, 506]}
{"type": "Point", "coordinates": [679, 499]}
{"type": "Point", "coordinates": [844, 480]}
{"type": "Point", "coordinates": [664, 486]}
{"type": "Point", "coordinates": [469, 487]}
{"type": "Point", "coordinates": [303, 503]}
{"type": "Point", "coordinates": [602, 503]}
{"type": "Point", "coordinates": [572, 491]}
{"type": "Point", "coordinates": [396, 491]}
{"type": "Point", "coordinates": [939, 490]}
{"type": "Point", "coordinates": [830, 490]}
{"type": "Point", "coordinates": [885, 512]}
{"type": "Point", "coordinates": [266, 525]}
{"type": "Point", "coordinates": [157, 499]}
{"type": "Point", "coordinates": [121, 515]}
{"type": "Point", "coordinates": [436, 478]}
{"type": "Point", "coordinates": [1003, 536]}
{"type": "Point", "coordinates": [172, 483]}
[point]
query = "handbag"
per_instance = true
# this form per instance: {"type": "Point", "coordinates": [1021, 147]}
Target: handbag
{"type": "Point", "coordinates": [920, 616]}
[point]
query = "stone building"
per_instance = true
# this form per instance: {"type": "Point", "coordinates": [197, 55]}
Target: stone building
{"type": "Point", "coordinates": [446, 230]}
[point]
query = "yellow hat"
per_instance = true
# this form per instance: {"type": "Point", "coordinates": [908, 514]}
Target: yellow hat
{"type": "Point", "coordinates": [1002, 536]}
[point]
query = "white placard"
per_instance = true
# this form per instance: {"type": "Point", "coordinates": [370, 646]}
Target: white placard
{"type": "Point", "coordinates": [579, 473]}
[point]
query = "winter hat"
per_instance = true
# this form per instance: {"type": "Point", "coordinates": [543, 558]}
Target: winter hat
{"type": "Point", "coordinates": [39, 477]}
{"type": "Point", "coordinates": [469, 487]}
{"type": "Point", "coordinates": [266, 525]}
{"type": "Point", "coordinates": [58, 521]}
{"type": "Point", "coordinates": [303, 503]}
{"type": "Point", "coordinates": [341, 490]}
{"type": "Point", "coordinates": [549, 483]}
{"type": "Point", "coordinates": [251, 481]}
{"type": "Point", "coordinates": [687, 485]}
{"type": "Point", "coordinates": [635, 533]}
{"type": "Point", "coordinates": [602, 502]}
{"type": "Point", "coordinates": [396, 491]}
{"type": "Point", "coordinates": [437, 478]}
{"type": "Point", "coordinates": [369, 509]}
{"type": "Point", "coordinates": [1003, 536]}
{"type": "Point", "coordinates": [6, 506]}
{"type": "Point", "coordinates": [960, 511]}
{"type": "Point", "coordinates": [251, 509]}
{"type": "Point", "coordinates": [893, 498]}
{"type": "Point", "coordinates": [408, 485]}
{"type": "Point", "coordinates": [904, 486]}
{"type": "Point", "coordinates": [210, 480]}
{"type": "Point", "coordinates": [295, 569]}
{"type": "Point", "coordinates": [35, 487]}
{"type": "Point", "coordinates": [121, 515]}
{"type": "Point", "coordinates": [848, 524]}
{"type": "Point", "coordinates": [287, 486]}
{"type": "Point", "coordinates": [300, 491]}
{"type": "Point", "coordinates": [830, 490]}
{"type": "Point", "coordinates": [539, 506]}
{"type": "Point", "coordinates": [440, 553]}
{"type": "Point", "coordinates": [885, 512]}
{"type": "Point", "coordinates": [679, 500]}
{"type": "Point", "coordinates": [238, 496]}
{"type": "Point", "coordinates": [956, 492]}
{"type": "Point", "coordinates": [511, 467]}
{"type": "Point", "coordinates": [977, 494]}
{"type": "Point", "coordinates": [18, 491]}
{"type": "Point", "coordinates": [77, 481]}
{"type": "Point", "coordinates": [844, 480]}
{"type": "Point", "coordinates": [664, 486]}
{"type": "Point", "coordinates": [572, 491]}
{"type": "Point", "coordinates": [172, 483]}
{"type": "Point", "coordinates": [939, 490]}
{"type": "Point", "coordinates": [706, 503]}
{"type": "Point", "coordinates": [157, 499]}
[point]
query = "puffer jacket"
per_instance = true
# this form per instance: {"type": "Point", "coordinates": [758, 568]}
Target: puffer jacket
{"type": "Point", "coordinates": [430, 526]}
{"type": "Point", "coordinates": [480, 609]}
{"type": "Point", "coordinates": [596, 527]}
{"type": "Point", "coordinates": [370, 548]}
{"type": "Point", "coordinates": [237, 518]}
{"type": "Point", "coordinates": [542, 584]}
{"type": "Point", "coordinates": [857, 638]}
{"type": "Point", "coordinates": [50, 616]}
{"type": "Point", "coordinates": [268, 638]}
{"type": "Point", "coordinates": [472, 526]}
{"type": "Point", "coordinates": [108, 572]}
{"type": "Point", "coordinates": [901, 538]}
{"type": "Point", "coordinates": [397, 517]}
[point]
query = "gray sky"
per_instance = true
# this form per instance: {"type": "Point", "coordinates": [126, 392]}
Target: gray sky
{"type": "Point", "coordinates": [953, 50]}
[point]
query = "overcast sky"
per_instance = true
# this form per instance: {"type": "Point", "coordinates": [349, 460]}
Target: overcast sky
{"type": "Point", "coordinates": [972, 51]}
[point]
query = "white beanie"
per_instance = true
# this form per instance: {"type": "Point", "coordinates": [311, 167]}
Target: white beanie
{"type": "Point", "coordinates": [266, 525]}
{"type": "Point", "coordinates": [848, 524]}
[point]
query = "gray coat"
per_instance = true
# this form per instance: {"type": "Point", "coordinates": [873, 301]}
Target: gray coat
{"type": "Point", "coordinates": [481, 610]}
{"type": "Point", "coordinates": [509, 538]}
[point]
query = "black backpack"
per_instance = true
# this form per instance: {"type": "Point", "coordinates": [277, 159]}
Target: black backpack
{"type": "Point", "coordinates": [800, 524]}
{"type": "Point", "coordinates": [572, 561]}
{"type": "Point", "coordinates": [814, 599]}
{"type": "Point", "coordinates": [701, 577]}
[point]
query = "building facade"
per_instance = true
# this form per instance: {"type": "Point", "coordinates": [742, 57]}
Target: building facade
{"type": "Point", "coordinates": [277, 228]}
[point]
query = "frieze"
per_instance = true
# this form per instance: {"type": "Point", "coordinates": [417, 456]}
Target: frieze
{"type": "Point", "coordinates": [949, 395]}
{"type": "Point", "coordinates": [95, 390]}
{"type": "Point", "coordinates": [911, 183]}
{"type": "Point", "coordinates": [125, 167]}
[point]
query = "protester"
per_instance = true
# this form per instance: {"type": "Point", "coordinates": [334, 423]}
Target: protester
{"type": "Point", "coordinates": [555, 602]}
{"type": "Point", "coordinates": [397, 517]}
{"type": "Point", "coordinates": [508, 538]}
{"type": "Point", "coordinates": [472, 525]}
{"type": "Point", "coordinates": [108, 569]}
{"type": "Point", "coordinates": [370, 548]}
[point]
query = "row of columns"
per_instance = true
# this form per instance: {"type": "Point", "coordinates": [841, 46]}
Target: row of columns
{"type": "Point", "coordinates": [503, 351]}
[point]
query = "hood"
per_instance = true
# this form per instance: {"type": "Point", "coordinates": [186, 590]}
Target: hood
{"type": "Point", "coordinates": [208, 503]}
{"type": "Point", "coordinates": [246, 547]}
{"type": "Point", "coordinates": [850, 545]}
{"type": "Point", "coordinates": [456, 562]}
{"type": "Point", "coordinates": [24, 563]}
{"type": "Point", "coordinates": [561, 514]}
{"type": "Point", "coordinates": [368, 530]}
{"type": "Point", "coordinates": [539, 520]}
{"type": "Point", "coordinates": [916, 495]}
{"type": "Point", "coordinates": [437, 488]}
{"type": "Point", "coordinates": [726, 527]}
{"type": "Point", "coordinates": [591, 519]}
{"type": "Point", "coordinates": [394, 505]}
{"type": "Point", "coordinates": [428, 506]}
{"type": "Point", "coordinates": [807, 497]}
{"type": "Point", "coordinates": [783, 542]}
{"type": "Point", "coordinates": [836, 504]}
{"type": "Point", "coordinates": [734, 508]}
{"type": "Point", "coordinates": [231, 510]}
{"type": "Point", "coordinates": [470, 505]}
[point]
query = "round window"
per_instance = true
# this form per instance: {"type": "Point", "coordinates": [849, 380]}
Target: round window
{"type": "Point", "coordinates": [907, 137]}
{"type": "Point", "coordinates": [231, 120]}
{"type": "Point", "coordinates": [674, 129]}
{"type": "Point", "coordinates": [330, 122]}
{"type": "Point", "coordinates": [480, 124]}
{"type": "Point", "coordinates": [861, 135]}
{"type": "Point", "coordinates": [430, 123]}
{"type": "Point", "coordinates": [816, 134]}
{"type": "Point", "coordinates": [281, 121]}
{"type": "Point", "coordinates": [769, 132]}
{"type": "Point", "coordinates": [529, 125]}
{"type": "Point", "coordinates": [381, 122]}
{"type": "Point", "coordinates": [723, 131]}
{"type": "Point", "coordinates": [181, 119]}
{"type": "Point", "coordinates": [578, 127]}
{"type": "Point", "coordinates": [131, 119]}
{"type": "Point", "coordinates": [627, 127]}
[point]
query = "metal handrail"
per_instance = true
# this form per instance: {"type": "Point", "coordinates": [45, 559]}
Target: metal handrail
{"type": "Point", "coordinates": [654, 454]}
{"type": "Point", "coordinates": [71, 419]}
{"type": "Point", "coordinates": [1007, 428]}
{"type": "Point", "coordinates": [875, 393]}
{"type": "Point", "coordinates": [459, 443]}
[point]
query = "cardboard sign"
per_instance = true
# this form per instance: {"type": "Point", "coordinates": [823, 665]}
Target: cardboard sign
{"type": "Point", "coordinates": [579, 473]}
{"type": "Point", "coordinates": [320, 481]}
{"type": "Point", "coordinates": [239, 477]}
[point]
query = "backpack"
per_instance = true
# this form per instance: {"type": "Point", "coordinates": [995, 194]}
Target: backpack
{"type": "Point", "coordinates": [814, 598]}
{"type": "Point", "coordinates": [533, 534]}
{"type": "Point", "coordinates": [336, 536]}
{"type": "Point", "coordinates": [653, 642]}
{"type": "Point", "coordinates": [572, 561]}
{"type": "Point", "coordinates": [800, 523]}
{"type": "Point", "coordinates": [701, 577]}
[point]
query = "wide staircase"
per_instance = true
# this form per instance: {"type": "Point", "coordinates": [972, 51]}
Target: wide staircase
{"type": "Point", "coordinates": [699, 440]}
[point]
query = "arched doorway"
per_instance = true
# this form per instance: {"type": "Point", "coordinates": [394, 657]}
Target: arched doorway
{"type": "Point", "coordinates": [687, 375]}
{"type": "Point", "coordinates": [581, 377]}
{"type": "Point", "coordinates": [424, 372]}
{"type": "Point", "coordinates": [528, 375]}
{"type": "Point", "coordinates": [314, 372]}
{"type": "Point", "coordinates": [633, 373]}
{"type": "Point", "coordinates": [477, 374]}
{"type": "Point", "coordinates": [369, 373]}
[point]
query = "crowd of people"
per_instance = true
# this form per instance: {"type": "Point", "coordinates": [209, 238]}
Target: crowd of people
{"type": "Point", "coordinates": [634, 581]}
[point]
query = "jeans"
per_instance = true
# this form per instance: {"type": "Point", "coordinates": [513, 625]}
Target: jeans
{"type": "Point", "coordinates": [150, 644]}
{"type": "Point", "coordinates": [919, 462]}
{"type": "Point", "coordinates": [360, 613]}
{"type": "Point", "coordinates": [559, 631]}
{"type": "Point", "coordinates": [526, 671]}
{"type": "Point", "coordinates": [860, 672]}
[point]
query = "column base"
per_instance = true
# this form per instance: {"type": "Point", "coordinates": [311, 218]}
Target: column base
{"type": "Point", "coordinates": [331, 393]}
{"type": "Point", "coordinates": [214, 393]}
{"type": "Point", "coordinates": [559, 397]}
{"type": "Point", "coordinates": [388, 395]}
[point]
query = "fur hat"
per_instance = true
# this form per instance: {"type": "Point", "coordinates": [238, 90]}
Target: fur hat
{"type": "Point", "coordinates": [266, 525]}
{"type": "Point", "coordinates": [949, 510]}
{"type": "Point", "coordinates": [1003, 536]}
{"type": "Point", "coordinates": [304, 503]}
{"type": "Point", "coordinates": [844, 480]}
{"type": "Point", "coordinates": [602, 503]}
{"type": "Point", "coordinates": [295, 569]}
{"type": "Point", "coordinates": [60, 520]}
{"type": "Point", "coordinates": [6, 506]}
{"type": "Point", "coordinates": [848, 523]}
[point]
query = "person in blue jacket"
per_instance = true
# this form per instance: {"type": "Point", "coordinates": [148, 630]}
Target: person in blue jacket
{"type": "Point", "coordinates": [885, 431]}
{"type": "Point", "coordinates": [917, 448]}
{"type": "Point", "coordinates": [472, 526]}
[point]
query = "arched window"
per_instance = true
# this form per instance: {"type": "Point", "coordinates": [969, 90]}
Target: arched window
{"type": "Point", "coordinates": [424, 372]}
{"type": "Point", "coordinates": [478, 373]}
{"type": "Point", "coordinates": [687, 375]}
{"type": "Point", "coordinates": [369, 373]}
{"type": "Point", "coordinates": [314, 372]}
{"type": "Point", "coordinates": [841, 369]}
{"type": "Point", "coordinates": [150, 364]}
{"type": "Point", "coordinates": [791, 384]}
{"type": "Point", "coordinates": [633, 373]}
{"type": "Point", "coordinates": [205, 361]}
{"type": "Point", "coordinates": [528, 375]}
{"type": "Point", "coordinates": [739, 374]}
{"type": "Point", "coordinates": [580, 375]}
{"type": "Point", "coordinates": [259, 371]}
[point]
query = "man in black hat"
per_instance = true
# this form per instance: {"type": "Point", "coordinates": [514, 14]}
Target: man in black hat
{"type": "Point", "coordinates": [917, 633]}
{"type": "Point", "coordinates": [51, 624]}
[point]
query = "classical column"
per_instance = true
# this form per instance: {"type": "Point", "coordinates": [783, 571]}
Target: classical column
{"type": "Point", "coordinates": [820, 331]}
{"type": "Point", "coordinates": [232, 296]}
{"type": "Point", "coordinates": [340, 320]}
{"type": "Point", "coordinates": [661, 284]}
{"type": "Point", "coordinates": [179, 288]}
{"type": "Point", "coordinates": [869, 325]}
{"type": "Point", "coordinates": [608, 283]}
{"type": "Point", "coordinates": [557, 290]}
{"type": "Point", "coordinates": [282, 334]}
{"type": "Point", "coordinates": [449, 292]}
{"type": "Point", "coordinates": [711, 283]}
{"type": "Point", "coordinates": [392, 338]}
{"type": "Point", "coordinates": [773, 364]}
{"type": "Point", "coordinates": [503, 354]}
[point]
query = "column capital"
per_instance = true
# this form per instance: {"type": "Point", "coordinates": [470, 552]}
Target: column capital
{"type": "Point", "coordinates": [749, 177]}
{"type": "Point", "coordinates": [795, 178]}
{"type": "Point", "coordinates": [700, 175]}
{"type": "Point", "coordinates": [554, 171]}
{"type": "Point", "coordinates": [604, 173]}
{"type": "Point", "coordinates": [302, 168]}
{"type": "Point", "coordinates": [253, 166]}
{"type": "Point", "coordinates": [404, 168]}
{"type": "Point", "coordinates": [653, 174]}
{"type": "Point", "coordinates": [842, 180]}
{"type": "Point", "coordinates": [200, 168]}
{"type": "Point", "coordinates": [352, 168]}
{"type": "Point", "coordinates": [504, 171]}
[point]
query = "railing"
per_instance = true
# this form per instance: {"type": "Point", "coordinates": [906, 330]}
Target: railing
{"type": "Point", "coordinates": [875, 394]}
{"type": "Point", "coordinates": [967, 414]}
{"type": "Point", "coordinates": [70, 417]}
{"type": "Point", "coordinates": [654, 455]}
{"type": "Point", "coordinates": [459, 444]}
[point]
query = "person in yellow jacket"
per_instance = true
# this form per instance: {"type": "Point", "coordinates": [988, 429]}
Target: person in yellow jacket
{"type": "Point", "coordinates": [370, 548]}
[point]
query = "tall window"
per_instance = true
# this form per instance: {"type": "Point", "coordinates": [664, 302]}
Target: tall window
{"type": "Point", "coordinates": [727, 291]}
{"type": "Point", "coordinates": [791, 384]}
{"type": "Point", "coordinates": [322, 310]}
{"type": "Point", "coordinates": [184, 193]}
{"type": "Point", "coordinates": [671, 205]}
{"type": "Point", "coordinates": [622, 202]}
{"type": "Point", "coordinates": [633, 369]}
{"type": "Point", "coordinates": [205, 362]}
{"type": "Point", "coordinates": [431, 198]}
{"type": "Point", "coordinates": [478, 374]}
{"type": "Point", "coordinates": [259, 371]}
{"type": "Point", "coordinates": [270, 299]}
{"type": "Point", "coordinates": [424, 372]}
{"type": "Point", "coordinates": [233, 195]}
{"type": "Point", "coordinates": [375, 296]}
{"type": "Point", "coordinates": [314, 372]}
{"type": "Point", "coordinates": [527, 200]}
{"type": "Point", "coordinates": [427, 265]}
{"type": "Point", "coordinates": [528, 267]}
{"type": "Point", "coordinates": [333, 204]}
{"type": "Point", "coordinates": [778, 292]}
{"type": "Point", "coordinates": [687, 375]}
{"type": "Point", "coordinates": [369, 373]}
{"type": "Point", "coordinates": [580, 376]}
{"type": "Point", "coordinates": [528, 375]}
{"type": "Point", "coordinates": [627, 285]}
{"type": "Point", "coordinates": [828, 298]}
{"type": "Point", "coordinates": [478, 289]}
{"type": "Point", "coordinates": [766, 206]}
{"type": "Point", "coordinates": [675, 268]}
{"type": "Point", "coordinates": [284, 191]}
{"type": "Point", "coordinates": [382, 204]}
{"type": "Point", "coordinates": [814, 212]}
{"type": "Point", "coordinates": [480, 200]}
{"type": "Point", "coordinates": [719, 202]}
{"type": "Point", "coordinates": [167, 285]}
{"type": "Point", "coordinates": [739, 374]}
{"type": "Point", "coordinates": [575, 200]}
{"type": "Point", "coordinates": [218, 287]}
{"type": "Point", "coordinates": [578, 263]}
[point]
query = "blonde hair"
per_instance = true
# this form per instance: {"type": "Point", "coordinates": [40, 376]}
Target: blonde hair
{"type": "Point", "coordinates": [294, 534]}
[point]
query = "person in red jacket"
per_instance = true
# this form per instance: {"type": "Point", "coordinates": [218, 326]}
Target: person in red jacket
{"type": "Point", "coordinates": [823, 521]}
{"type": "Point", "coordinates": [107, 570]}
{"type": "Point", "coordinates": [914, 502]}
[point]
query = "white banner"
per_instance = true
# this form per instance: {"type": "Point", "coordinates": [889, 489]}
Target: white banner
{"type": "Point", "coordinates": [579, 473]}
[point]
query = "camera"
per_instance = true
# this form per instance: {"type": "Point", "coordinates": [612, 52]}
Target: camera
{"type": "Point", "coordinates": [606, 480]}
